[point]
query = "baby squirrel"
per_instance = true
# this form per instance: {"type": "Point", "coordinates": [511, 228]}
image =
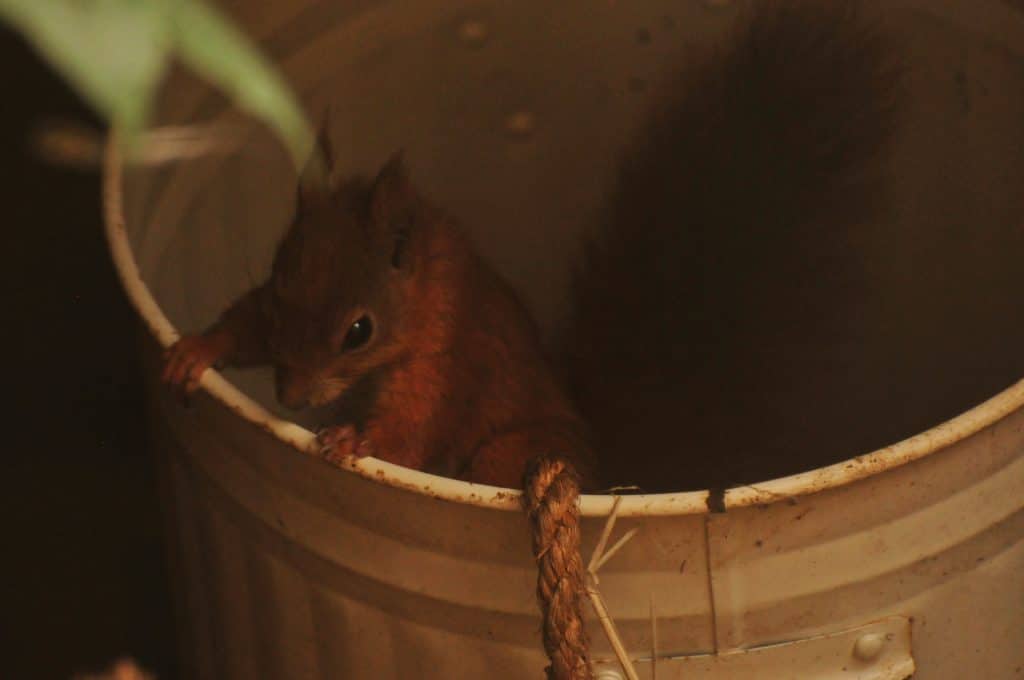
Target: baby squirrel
{"type": "Point", "coordinates": [378, 305]}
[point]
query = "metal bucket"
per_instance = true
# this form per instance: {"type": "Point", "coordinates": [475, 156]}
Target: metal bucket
{"type": "Point", "coordinates": [905, 559]}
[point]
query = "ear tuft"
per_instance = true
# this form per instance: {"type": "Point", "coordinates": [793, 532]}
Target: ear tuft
{"type": "Point", "coordinates": [392, 186]}
{"type": "Point", "coordinates": [392, 197]}
{"type": "Point", "coordinates": [316, 178]}
{"type": "Point", "coordinates": [393, 208]}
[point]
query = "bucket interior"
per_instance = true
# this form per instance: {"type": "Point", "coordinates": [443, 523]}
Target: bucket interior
{"type": "Point", "coordinates": [512, 116]}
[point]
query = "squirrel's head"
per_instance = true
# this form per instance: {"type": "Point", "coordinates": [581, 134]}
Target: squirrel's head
{"type": "Point", "coordinates": [340, 284]}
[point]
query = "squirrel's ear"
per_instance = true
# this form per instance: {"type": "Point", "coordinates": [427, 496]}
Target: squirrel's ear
{"type": "Point", "coordinates": [392, 192]}
{"type": "Point", "coordinates": [316, 177]}
{"type": "Point", "coordinates": [392, 208]}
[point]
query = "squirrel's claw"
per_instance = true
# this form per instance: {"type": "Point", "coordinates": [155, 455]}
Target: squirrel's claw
{"type": "Point", "coordinates": [185, 362]}
{"type": "Point", "coordinates": [342, 441]}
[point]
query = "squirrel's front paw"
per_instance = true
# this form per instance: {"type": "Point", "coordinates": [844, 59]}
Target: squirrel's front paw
{"type": "Point", "coordinates": [186, 360]}
{"type": "Point", "coordinates": [342, 441]}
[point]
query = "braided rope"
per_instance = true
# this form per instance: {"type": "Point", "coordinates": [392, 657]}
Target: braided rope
{"type": "Point", "coordinates": [551, 492]}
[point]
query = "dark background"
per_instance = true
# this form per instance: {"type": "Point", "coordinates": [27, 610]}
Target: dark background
{"type": "Point", "coordinates": [83, 568]}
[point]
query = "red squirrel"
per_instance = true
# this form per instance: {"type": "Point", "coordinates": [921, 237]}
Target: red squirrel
{"type": "Point", "coordinates": [715, 296]}
{"type": "Point", "coordinates": [378, 305]}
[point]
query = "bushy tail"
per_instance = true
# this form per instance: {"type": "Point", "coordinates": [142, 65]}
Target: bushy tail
{"type": "Point", "coordinates": [767, 144]}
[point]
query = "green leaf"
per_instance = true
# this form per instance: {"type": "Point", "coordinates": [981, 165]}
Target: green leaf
{"type": "Point", "coordinates": [114, 53]}
{"type": "Point", "coordinates": [211, 45]}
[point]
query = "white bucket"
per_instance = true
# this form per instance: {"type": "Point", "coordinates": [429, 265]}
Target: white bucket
{"type": "Point", "coordinates": [906, 558]}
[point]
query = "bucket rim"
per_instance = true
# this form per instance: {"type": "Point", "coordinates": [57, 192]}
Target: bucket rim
{"type": "Point", "coordinates": [928, 442]}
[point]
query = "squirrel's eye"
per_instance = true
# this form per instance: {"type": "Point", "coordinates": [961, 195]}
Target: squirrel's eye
{"type": "Point", "coordinates": [358, 334]}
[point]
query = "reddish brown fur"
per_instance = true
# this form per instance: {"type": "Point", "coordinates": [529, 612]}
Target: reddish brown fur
{"type": "Point", "coordinates": [455, 379]}
{"type": "Point", "coordinates": [475, 393]}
